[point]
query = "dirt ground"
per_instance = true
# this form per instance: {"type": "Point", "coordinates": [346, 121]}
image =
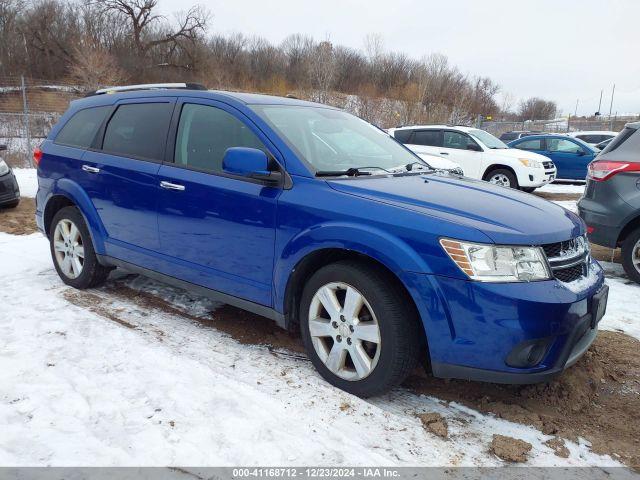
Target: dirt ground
{"type": "Point", "coordinates": [598, 399]}
{"type": "Point", "coordinates": [19, 220]}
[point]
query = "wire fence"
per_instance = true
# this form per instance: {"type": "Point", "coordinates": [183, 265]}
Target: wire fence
{"type": "Point", "coordinates": [28, 109]}
{"type": "Point", "coordinates": [564, 125]}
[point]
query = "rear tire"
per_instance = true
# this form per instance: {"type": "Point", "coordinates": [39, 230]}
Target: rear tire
{"type": "Point", "coordinates": [631, 255]}
{"type": "Point", "coordinates": [72, 250]}
{"type": "Point", "coordinates": [502, 177]}
{"type": "Point", "coordinates": [367, 352]}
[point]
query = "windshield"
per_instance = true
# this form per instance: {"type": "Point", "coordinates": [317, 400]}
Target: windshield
{"type": "Point", "coordinates": [332, 140]}
{"type": "Point", "coordinates": [487, 139]}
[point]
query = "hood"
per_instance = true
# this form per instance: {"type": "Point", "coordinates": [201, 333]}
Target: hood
{"type": "Point", "coordinates": [438, 162]}
{"type": "Point", "coordinates": [517, 153]}
{"type": "Point", "coordinates": [505, 215]}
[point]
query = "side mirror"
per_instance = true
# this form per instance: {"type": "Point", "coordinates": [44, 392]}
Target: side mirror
{"type": "Point", "coordinates": [3, 148]}
{"type": "Point", "coordinates": [474, 147]}
{"type": "Point", "coordinates": [250, 163]}
{"type": "Point", "coordinates": [581, 153]}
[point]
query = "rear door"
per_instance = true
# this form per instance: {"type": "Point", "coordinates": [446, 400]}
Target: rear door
{"type": "Point", "coordinates": [216, 229]}
{"type": "Point", "coordinates": [425, 141]}
{"type": "Point", "coordinates": [121, 172]}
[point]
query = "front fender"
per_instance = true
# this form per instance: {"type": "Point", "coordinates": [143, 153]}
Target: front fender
{"type": "Point", "coordinates": [74, 192]}
{"type": "Point", "coordinates": [392, 252]}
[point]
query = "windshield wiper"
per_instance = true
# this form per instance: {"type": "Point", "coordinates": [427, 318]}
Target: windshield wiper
{"type": "Point", "coordinates": [409, 166]}
{"type": "Point", "coordinates": [350, 172]}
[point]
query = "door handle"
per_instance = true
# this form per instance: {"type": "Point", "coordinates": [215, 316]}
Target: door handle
{"type": "Point", "coordinates": [171, 186]}
{"type": "Point", "coordinates": [444, 153]}
{"type": "Point", "coordinates": [90, 169]}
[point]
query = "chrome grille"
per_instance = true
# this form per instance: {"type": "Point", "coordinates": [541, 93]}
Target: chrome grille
{"type": "Point", "coordinates": [568, 259]}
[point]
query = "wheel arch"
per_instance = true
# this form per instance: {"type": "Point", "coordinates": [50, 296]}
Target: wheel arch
{"type": "Point", "coordinates": [498, 166]}
{"type": "Point", "coordinates": [630, 226]}
{"type": "Point", "coordinates": [67, 193]}
{"type": "Point", "coordinates": [317, 259]}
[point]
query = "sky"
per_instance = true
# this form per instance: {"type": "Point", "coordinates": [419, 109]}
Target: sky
{"type": "Point", "coordinates": [562, 50]}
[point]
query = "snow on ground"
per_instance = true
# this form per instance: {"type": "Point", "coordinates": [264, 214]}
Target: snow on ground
{"type": "Point", "coordinates": [570, 205]}
{"type": "Point", "coordinates": [27, 181]}
{"type": "Point", "coordinates": [562, 188]}
{"type": "Point", "coordinates": [94, 378]}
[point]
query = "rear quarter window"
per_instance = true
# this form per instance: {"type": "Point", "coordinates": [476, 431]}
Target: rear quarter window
{"type": "Point", "coordinates": [82, 127]}
{"type": "Point", "coordinates": [507, 137]}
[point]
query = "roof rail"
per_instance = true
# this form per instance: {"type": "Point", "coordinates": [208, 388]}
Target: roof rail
{"type": "Point", "coordinates": [148, 86]}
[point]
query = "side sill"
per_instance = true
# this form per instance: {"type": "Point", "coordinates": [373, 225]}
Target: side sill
{"type": "Point", "coordinates": [252, 307]}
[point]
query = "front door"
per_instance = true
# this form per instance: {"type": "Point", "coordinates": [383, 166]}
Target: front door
{"type": "Point", "coordinates": [570, 158]}
{"type": "Point", "coordinates": [455, 147]}
{"type": "Point", "coordinates": [216, 229]}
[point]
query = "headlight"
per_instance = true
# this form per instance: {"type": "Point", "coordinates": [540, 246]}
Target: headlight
{"type": "Point", "coordinates": [496, 263]}
{"type": "Point", "coordinates": [4, 168]}
{"type": "Point", "coordinates": [530, 163]}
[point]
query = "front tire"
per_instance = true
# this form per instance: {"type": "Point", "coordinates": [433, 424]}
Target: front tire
{"type": "Point", "coordinates": [12, 204]}
{"type": "Point", "coordinates": [72, 251]}
{"type": "Point", "coordinates": [359, 329]}
{"type": "Point", "coordinates": [528, 189]}
{"type": "Point", "coordinates": [631, 255]}
{"type": "Point", "coordinates": [502, 177]}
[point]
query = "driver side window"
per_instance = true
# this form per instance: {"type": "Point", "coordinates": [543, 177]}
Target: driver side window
{"type": "Point", "coordinates": [562, 146]}
{"type": "Point", "coordinates": [204, 135]}
{"type": "Point", "coordinates": [456, 140]}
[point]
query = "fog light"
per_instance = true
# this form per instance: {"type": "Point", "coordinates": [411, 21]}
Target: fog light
{"type": "Point", "coordinates": [528, 353]}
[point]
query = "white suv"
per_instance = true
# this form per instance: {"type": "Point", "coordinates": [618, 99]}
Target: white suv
{"type": "Point", "coordinates": [479, 154]}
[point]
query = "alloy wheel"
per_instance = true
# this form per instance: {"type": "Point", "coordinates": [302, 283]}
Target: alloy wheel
{"type": "Point", "coordinates": [500, 179]}
{"type": "Point", "coordinates": [635, 256]}
{"type": "Point", "coordinates": [68, 248]}
{"type": "Point", "coordinates": [344, 331]}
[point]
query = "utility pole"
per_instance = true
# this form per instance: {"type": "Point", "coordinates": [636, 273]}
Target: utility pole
{"type": "Point", "coordinates": [599, 104]}
{"type": "Point", "coordinates": [27, 127]}
{"type": "Point", "coordinates": [613, 91]}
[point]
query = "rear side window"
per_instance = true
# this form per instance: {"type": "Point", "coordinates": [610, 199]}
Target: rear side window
{"type": "Point", "coordinates": [204, 135]}
{"type": "Point", "coordinates": [81, 128]}
{"type": "Point", "coordinates": [429, 138]}
{"type": "Point", "coordinates": [402, 135]}
{"type": "Point", "coordinates": [620, 139]}
{"type": "Point", "coordinates": [138, 130]}
{"type": "Point", "coordinates": [530, 144]}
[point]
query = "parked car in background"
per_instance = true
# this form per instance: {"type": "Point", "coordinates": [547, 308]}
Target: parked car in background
{"type": "Point", "coordinates": [593, 137]}
{"type": "Point", "coordinates": [9, 190]}
{"type": "Point", "coordinates": [601, 146]}
{"type": "Point", "coordinates": [570, 155]}
{"type": "Point", "coordinates": [479, 154]}
{"type": "Point", "coordinates": [610, 205]}
{"type": "Point", "coordinates": [507, 137]}
{"type": "Point", "coordinates": [316, 219]}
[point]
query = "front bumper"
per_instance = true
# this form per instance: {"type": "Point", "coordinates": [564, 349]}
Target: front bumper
{"type": "Point", "coordinates": [537, 177]}
{"type": "Point", "coordinates": [473, 328]}
{"type": "Point", "coordinates": [9, 191]}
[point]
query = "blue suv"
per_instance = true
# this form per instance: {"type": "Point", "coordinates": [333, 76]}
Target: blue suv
{"type": "Point", "coordinates": [322, 222]}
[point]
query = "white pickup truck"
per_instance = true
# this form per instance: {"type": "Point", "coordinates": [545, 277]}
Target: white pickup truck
{"type": "Point", "coordinates": [479, 154]}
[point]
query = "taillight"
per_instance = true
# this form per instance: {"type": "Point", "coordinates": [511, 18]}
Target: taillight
{"type": "Point", "coordinates": [602, 170]}
{"type": "Point", "coordinates": [37, 156]}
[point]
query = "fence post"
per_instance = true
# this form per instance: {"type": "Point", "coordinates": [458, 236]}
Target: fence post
{"type": "Point", "coordinates": [27, 127]}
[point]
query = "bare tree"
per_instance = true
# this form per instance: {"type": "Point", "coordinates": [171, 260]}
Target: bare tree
{"type": "Point", "coordinates": [93, 68]}
{"type": "Point", "coordinates": [536, 108]}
